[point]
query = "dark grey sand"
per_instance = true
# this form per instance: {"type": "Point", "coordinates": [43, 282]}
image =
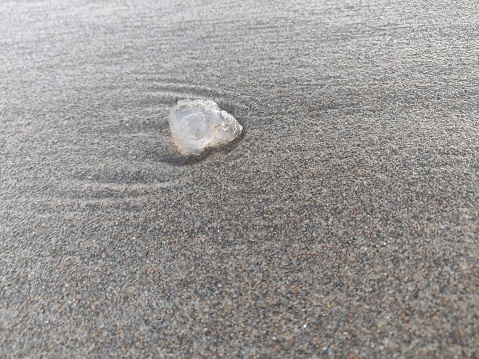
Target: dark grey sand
{"type": "Point", "coordinates": [344, 223]}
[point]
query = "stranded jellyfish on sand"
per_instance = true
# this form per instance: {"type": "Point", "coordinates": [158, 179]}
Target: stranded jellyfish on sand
{"type": "Point", "coordinates": [200, 124]}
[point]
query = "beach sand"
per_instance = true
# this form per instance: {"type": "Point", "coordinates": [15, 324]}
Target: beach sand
{"type": "Point", "coordinates": [344, 223]}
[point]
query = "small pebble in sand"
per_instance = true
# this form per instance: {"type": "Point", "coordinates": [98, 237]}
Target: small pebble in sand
{"type": "Point", "coordinates": [200, 124]}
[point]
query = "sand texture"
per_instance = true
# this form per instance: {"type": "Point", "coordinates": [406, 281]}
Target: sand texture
{"type": "Point", "coordinates": [344, 223]}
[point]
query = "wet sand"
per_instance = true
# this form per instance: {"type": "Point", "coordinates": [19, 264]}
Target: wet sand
{"type": "Point", "coordinates": [344, 222]}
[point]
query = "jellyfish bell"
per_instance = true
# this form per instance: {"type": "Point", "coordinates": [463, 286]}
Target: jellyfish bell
{"type": "Point", "coordinates": [200, 124]}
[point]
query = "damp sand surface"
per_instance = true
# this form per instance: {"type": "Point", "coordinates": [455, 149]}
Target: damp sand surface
{"type": "Point", "coordinates": [343, 222]}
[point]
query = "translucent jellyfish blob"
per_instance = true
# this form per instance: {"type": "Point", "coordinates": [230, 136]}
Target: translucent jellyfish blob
{"type": "Point", "coordinates": [200, 124]}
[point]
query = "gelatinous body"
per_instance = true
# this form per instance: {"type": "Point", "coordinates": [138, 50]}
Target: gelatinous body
{"type": "Point", "coordinates": [200, 124]}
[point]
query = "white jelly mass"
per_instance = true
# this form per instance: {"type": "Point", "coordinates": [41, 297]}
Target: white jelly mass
{"type": "Point", "coordinates": [200, 124]}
